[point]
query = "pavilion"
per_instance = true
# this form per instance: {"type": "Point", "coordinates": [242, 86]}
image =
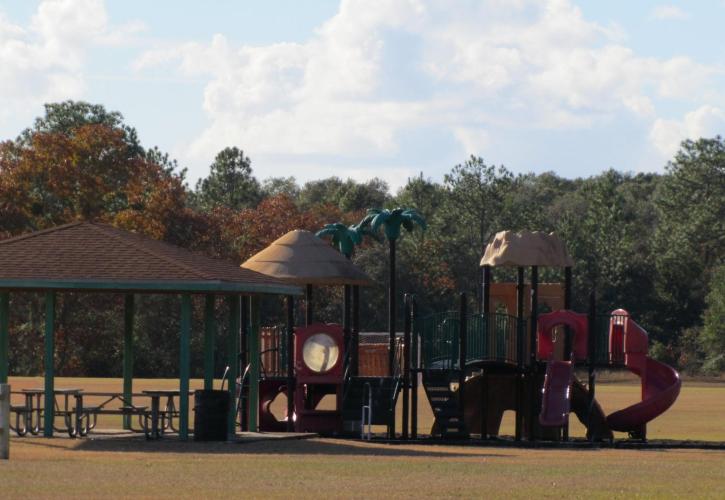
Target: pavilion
{"type": "Point", "coordinates": [95, 257]}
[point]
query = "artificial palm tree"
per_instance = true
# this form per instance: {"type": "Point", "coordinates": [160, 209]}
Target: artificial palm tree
{"type": "Point", "coordinates": [392, 221]}
{"type": "Point", "coordinates": [344, 238]}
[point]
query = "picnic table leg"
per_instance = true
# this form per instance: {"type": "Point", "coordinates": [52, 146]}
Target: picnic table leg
{"type": "Point", "coordinates": [170, 411]}
{"type": "Point", "coordinates": [78, 414]}
{"type": "Point", "coordinates": [155, 418]}
{"type": "Point", "coordinates": [32, 401]}
{"type": "Point", "coordinates": [70, 417]}
{"type": "Point", "coordinates": [153, 433]}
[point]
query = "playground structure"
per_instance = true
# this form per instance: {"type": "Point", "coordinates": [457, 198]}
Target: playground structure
{"type": "Point", "coordinates": [473, 366]}
{"type": "Point", "coordinates": [519, 351]}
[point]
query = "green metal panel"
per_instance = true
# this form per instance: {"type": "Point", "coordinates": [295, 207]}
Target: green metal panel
{"type": "Point", "coordinates": [184, 366]}
{"type": "Point", "coordinates": [49, 354]}
{"type": "Point", "coordinates": [234, 330]}
{"type": "Point", "coordinates": [4, 336]}
{"type": "Point", "coordinates": [128, 311]}
{"type": "Point", "coordinates": [254, 363]}
{"type": "Point", "coordinates": [209, 333]}
{"type": "Point", "coordinates": [150, 286]}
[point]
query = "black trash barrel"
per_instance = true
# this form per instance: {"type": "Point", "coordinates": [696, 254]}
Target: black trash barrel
{"type": "Point", "coordinates": [211, 409]}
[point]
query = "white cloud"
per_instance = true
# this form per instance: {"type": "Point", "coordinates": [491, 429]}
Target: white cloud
{"type": "Point", "coordinates": [705, 121]}
{"type": "Point", "coordinates": [376, 73]}
{"type": "Point", "coordinates": [45, 60]}
{"type": "Point", "coordinates": [669, 13]}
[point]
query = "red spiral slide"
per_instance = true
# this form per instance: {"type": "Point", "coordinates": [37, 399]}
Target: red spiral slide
{"type": "Point", "coordinates": [660, 383]}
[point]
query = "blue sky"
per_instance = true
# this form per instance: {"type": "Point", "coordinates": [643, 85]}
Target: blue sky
{"type": "Point", "coordinates": [366, 88]}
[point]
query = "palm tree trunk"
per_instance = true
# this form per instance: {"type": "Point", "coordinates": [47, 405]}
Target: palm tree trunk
{"type": "Point", "coordinates": [391, 310]}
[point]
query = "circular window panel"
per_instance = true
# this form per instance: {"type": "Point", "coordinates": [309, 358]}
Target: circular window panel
{"type": "Point", "coordinates": [320, 352]}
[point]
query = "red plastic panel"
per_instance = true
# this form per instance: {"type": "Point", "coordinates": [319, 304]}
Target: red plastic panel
{"type": "Point", "coordinates": [578, 323]}
{"type": "Point", "coordinates": [556, 394]}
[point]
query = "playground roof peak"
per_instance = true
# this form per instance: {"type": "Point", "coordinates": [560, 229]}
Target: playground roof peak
{"type": "Point", "coordinates": [526, 248]}
{"type": "Point", "coordinates": [94, 256]}
{"type": "Point", "coordinates": [302, 258]}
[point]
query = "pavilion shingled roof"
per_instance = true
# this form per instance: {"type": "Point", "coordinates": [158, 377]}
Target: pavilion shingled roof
{"type": "Point", "coordinates": [302, 258]}
{"type": "Point", "coordinates": [95, 253]}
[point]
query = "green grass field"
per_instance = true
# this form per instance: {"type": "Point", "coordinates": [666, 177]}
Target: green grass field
{"type": "Point", "coordinates": [314, 468]}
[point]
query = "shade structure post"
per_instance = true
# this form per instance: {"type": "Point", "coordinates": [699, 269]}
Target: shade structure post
{"type": "Point", "coordinates": [535, 402]}
{"type": "Point", "coordinates": [415, 359]}
{"type": "Point", "coordinates": [184, 366]}
{"type": "Point", "coordinates": [534, 311]}
{"type": "Point", "coordinates": [244, 362]}
{"type": "Point", "coordinates": [49, 408]}
{"type": "Point", "coordinates": [355, 334]}
{"type": "Point", "coordinates": [520, 322]}
{"type": "Point", "coordinates": [209, 333]}
{"type": "Point", "coordinates": [254, 363]}
{"type": "Point", "coordinates": [309, 306]}
{"type": "Point", "coordinates": [346, 321]}
{"type": "Point", "coordinates": [391, 311]}
{"type": "Point", "coordinates": [233, 353]}
{"type": "Point", "coordinates": [406, 367]}
{"type": "Point", "coordinates": [462, 348]}
{"type": "Point", "coordinates": [486, 295]}
{"type": "Point", "coordinates": [568, 341]}
{"type": "Point", "coordinates": [591, 358]}
{"type": "Point", "coordinates": [290, 363]}
{"type": "Point", "coordinates": [4, 336]}
{"type": "Point", "coordinates": [128, 315]}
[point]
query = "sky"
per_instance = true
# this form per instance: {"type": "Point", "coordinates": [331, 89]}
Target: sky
{"type": "Point", "coordinates": [379, 88]}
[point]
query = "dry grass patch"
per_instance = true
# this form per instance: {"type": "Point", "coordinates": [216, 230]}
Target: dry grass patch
{"type": "Point", "coordinates": [334, 468]}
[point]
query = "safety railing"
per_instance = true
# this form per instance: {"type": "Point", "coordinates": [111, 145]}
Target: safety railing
{"type": "Point", "coordinates": [489, 338]}
{"type": "Point", "coordinates": [273, 351]}
{"type": "Point", "coordinates": [609, 339]}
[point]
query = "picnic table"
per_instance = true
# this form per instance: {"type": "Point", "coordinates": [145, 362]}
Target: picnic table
{"type": "Point", "coordinates": [80, 418]}
{"type": "Point", "coordinates": [90, 413]}
{"type": "Point", "coordinates": [158, 416]}
{"type": "Point", "coordinates": [27, 416]}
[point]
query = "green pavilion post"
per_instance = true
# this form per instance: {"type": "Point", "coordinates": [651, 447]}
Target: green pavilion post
{"type": "Point", "coordinates": [235, 304]}
{"type": "Point", "coordinates": [254, 319]}
{"type": "Point", "coordinates": [128, 313]}
{"type": "Point", "coordinates": [49, 409]}
{"type": "Point", "coordinates": [184, 366]}
{"type": "Point", "coordinates": [4, 336]}
{"type": "Point", "coordinates": [209, 333]}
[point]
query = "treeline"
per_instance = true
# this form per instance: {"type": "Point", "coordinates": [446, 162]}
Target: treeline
{"type": "Point", "coordinates": [653, 244]}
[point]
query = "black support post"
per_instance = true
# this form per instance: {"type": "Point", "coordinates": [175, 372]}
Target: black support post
{"type": "Point", "coordinates": [355, 334]}
{"type": "Point", "coordinates": [519, 353]}
{"type": "Point", "coordinates": [244, 362]}
{"type": "Point", "coordinates": [290, 363]}
{"type": "Point", "coordinates": [486, 290]}
{"type": "Point", "coordinates": [406, 366]}
{"type": "Point", "coordinates": [346, 321]}
{"type": "Point", "coordinates": [391, 311]}
{"type": "Point", "coordinates": [568, 341]}
{"type": "Point", "coordinates": [309, 309]}
{"type": "Point", "coordinates": [591, 382]}
{"type": "Point", "coordinates": [414, 385]}
{"type": "Point", "coordinates": [462, 351]}
{"type": "Point", "coordinates": [535, 398]}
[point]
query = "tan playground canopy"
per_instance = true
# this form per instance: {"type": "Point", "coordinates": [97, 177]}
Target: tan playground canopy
{"type": "Point", "coordinates": [526, 248]}
{"type": "Point", "coordinates": [301, 258]}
